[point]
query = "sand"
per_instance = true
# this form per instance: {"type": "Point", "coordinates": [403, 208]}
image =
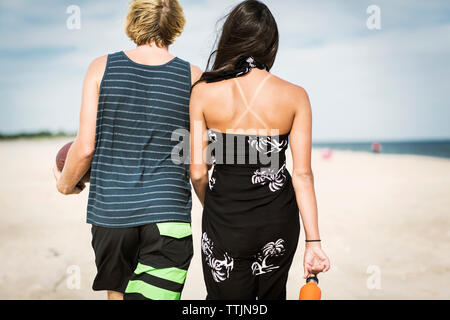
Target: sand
{"type": "Point", "coordinates": [384, 222]}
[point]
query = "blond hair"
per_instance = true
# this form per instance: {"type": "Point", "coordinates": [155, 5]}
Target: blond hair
{"type": "Point", "coordinates": [154, 21]}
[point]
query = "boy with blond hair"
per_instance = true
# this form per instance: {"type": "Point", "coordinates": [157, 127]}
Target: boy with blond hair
{"type": "Point", "coordinates": [139, 198]}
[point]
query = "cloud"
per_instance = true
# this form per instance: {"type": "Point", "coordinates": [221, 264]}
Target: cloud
{"type": "Point", "coordinates": [390, 86]}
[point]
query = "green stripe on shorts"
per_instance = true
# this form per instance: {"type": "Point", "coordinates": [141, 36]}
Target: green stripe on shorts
{"type": "Point", "coordinates": [174, 229]}
{"type": "Point", "coordinates": [172, 274]}
{"type": "Point", "coordinates": [151, 292]}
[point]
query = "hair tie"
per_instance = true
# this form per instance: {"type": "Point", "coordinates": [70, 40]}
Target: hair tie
{"type": "Point", "coordinates": [246, 64]}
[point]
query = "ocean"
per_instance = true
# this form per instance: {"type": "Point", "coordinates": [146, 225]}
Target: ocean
{"type": "Point", "coordinates": [439, 148]}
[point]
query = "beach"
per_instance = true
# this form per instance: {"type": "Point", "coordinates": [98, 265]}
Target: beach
{"type": "Point", "coordinates": [384, 221]}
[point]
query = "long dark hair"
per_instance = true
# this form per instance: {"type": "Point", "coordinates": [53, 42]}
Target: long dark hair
{"type": "Point", "coordinates": [249, 30]}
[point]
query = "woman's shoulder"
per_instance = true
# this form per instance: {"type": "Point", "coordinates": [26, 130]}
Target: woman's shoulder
{"type": "Point", "coordinates": [286, 92]}
{"type": "Point", "coordinates": [210, 89]}
{"type": "Point", "coordinates": [291, 93]}
{"type": "Point", "coordinates": [287, 85]}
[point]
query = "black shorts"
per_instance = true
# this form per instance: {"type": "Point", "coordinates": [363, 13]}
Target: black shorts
{"type": "Point", "coordinates": [144, 262]}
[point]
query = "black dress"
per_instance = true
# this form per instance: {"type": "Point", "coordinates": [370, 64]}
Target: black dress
{"type": "Point", "coordinates": [250, 223]}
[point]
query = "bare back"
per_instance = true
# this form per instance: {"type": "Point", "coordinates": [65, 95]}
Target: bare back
{"type": "Point", "coordinates": [258, 102]}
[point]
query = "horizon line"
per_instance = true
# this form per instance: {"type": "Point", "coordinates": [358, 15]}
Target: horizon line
{"type": "Point", "coordinates": [61, 133]}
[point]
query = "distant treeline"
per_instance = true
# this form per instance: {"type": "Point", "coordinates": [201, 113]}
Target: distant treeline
{"type": "Point", "coordinates": [36, 135]}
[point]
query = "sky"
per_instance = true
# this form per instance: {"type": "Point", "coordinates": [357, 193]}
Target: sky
{"type": "Point", "coordinates": [365, 84]}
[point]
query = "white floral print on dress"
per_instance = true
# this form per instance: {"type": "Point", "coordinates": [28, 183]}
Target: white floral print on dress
{"type": "Point", "coordinates": [275, 178]}
{"type": "Point", "coordinates": [262, 144]}
{"type": "Point", "coordinates": [220, 269]}
{"type": "Point", "coordinates": [270, 250]}
{"type": "Point", "coordinates": [212, 182]}
{"type": "Point", "coordinates": [212, 137]}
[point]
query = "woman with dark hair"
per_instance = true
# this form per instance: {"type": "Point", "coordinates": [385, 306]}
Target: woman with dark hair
{"type": "Point", "coordinates": [250, 223]}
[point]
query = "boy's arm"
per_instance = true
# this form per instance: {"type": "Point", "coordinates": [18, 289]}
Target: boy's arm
{"type": "Point", "coordinates": [80, 153]}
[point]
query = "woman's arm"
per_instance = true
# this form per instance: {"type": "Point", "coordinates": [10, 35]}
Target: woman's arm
{"type": "Point", "coordinates": [199, 143]}
{"type": "Point", "coordinates": [315, 260]}
{"type": "Point", "coordinates": [80, 153]}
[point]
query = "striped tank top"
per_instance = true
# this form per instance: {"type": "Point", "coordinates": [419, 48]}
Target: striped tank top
{"type": "Point", "coordinates": [142, 121]}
